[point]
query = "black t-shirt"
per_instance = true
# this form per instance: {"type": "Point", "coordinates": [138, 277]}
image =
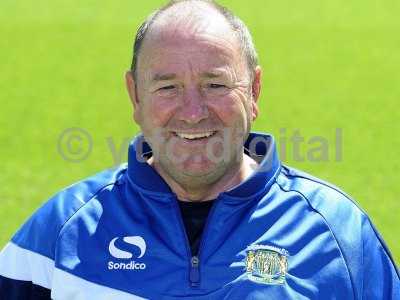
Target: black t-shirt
{"type": "Point", "coordinates": [194, 215]}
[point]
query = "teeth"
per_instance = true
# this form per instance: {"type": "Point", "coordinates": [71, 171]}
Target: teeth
{"type": "Point", "coordinates": [193, 136]}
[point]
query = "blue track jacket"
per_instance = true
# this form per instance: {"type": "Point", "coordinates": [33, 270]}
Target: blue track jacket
{"type": "Point", "coordinates": [281, 234]}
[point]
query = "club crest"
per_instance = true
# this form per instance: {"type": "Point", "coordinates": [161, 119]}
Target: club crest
{"type": "Point", "coordinates": [266, 264]}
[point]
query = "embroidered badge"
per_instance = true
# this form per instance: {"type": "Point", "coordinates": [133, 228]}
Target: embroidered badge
{"type": "Point", "coordinates": [266, 264]}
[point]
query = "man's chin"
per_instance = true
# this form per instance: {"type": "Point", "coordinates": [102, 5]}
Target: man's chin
{"type": "Point", "coordinates": [194, 169]}
{"type": "Point", "coordinates": [192, 173]}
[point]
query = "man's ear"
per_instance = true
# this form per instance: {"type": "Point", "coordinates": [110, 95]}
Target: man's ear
{"type": "Point", "coordinates": [131, 87]}
{"type": "Point", "coordinates": [256, 90]}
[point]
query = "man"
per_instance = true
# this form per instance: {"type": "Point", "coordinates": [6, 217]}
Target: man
{"type": "Point", "coordinates": [204, 209]}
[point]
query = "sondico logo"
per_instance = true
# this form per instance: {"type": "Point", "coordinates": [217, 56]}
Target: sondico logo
{"type": "Point", "coordinates": [137, 241]}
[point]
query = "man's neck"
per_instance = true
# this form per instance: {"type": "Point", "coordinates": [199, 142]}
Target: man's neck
{"type": "Point", "coordinates": [230, 179]}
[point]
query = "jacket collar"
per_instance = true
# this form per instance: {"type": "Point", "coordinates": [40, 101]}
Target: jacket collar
{"type": "Point", "coordinates": [261, 147]}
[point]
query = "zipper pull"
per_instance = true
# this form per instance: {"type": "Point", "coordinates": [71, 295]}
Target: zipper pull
{"type": "Point", "coordinates": [194, 272]}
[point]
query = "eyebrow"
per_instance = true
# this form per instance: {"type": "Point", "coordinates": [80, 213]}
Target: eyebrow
{"type": "Point", "coordinates": [212, 74]}
{"type": "Point", "coordinates": [163, 77]}
{"type": "Point", "coordinates": [170, 76]}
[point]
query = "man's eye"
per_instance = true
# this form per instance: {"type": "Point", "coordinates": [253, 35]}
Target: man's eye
{"type": "Point", "coordinates": [216, 86]}
{"type": "Point", "coordinates": [167, 87]}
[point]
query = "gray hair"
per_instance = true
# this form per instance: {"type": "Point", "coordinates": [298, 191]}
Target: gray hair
{"type": "Point", "coordinates": [238, 26]}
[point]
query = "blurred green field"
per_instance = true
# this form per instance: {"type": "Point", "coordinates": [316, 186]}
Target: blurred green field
{"type": "Point", "coordinates": [327, 64]}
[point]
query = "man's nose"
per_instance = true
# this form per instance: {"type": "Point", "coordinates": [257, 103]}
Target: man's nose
{"type": "Point", "coordinates": [194, 108]}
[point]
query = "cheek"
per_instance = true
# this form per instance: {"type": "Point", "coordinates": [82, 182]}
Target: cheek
{"type": "Point", "coordinates": [231, 110]}
{"type": "Point", "coordinates": [160, 111]}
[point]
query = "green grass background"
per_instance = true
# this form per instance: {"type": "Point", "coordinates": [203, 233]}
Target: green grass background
{"type": "Point", "coordinates": [327, 64]}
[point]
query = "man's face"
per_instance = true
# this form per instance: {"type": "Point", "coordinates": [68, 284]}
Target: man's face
{"type": "Point", "coordinates": [194, 101]}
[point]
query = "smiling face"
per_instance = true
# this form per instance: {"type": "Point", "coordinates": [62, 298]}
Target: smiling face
{"type": "Point", "coordinates": [194, 99]}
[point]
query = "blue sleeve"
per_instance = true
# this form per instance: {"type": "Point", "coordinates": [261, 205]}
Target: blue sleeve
{"type": "Point", "coordinates": [27, 262]}
{"type": "Point", "coordinates": [381, 277]}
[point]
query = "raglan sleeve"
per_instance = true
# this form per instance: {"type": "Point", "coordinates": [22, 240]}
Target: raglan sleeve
{"type": "Point", "coordinates": [380, 274]}
{"type": "Point", "coordinates": [26, 266]}
{"type": "Point", "coordinates": [27, 262]}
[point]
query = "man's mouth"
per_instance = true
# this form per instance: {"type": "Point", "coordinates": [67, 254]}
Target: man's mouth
{"type": "Point", "coordinates": [194, 136]}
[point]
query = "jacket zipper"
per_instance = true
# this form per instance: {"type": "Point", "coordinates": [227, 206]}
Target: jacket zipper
{"type": "Point", "coordinates": [194, 270]}
{"type": "Point", "coordinates": [194, 273]}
